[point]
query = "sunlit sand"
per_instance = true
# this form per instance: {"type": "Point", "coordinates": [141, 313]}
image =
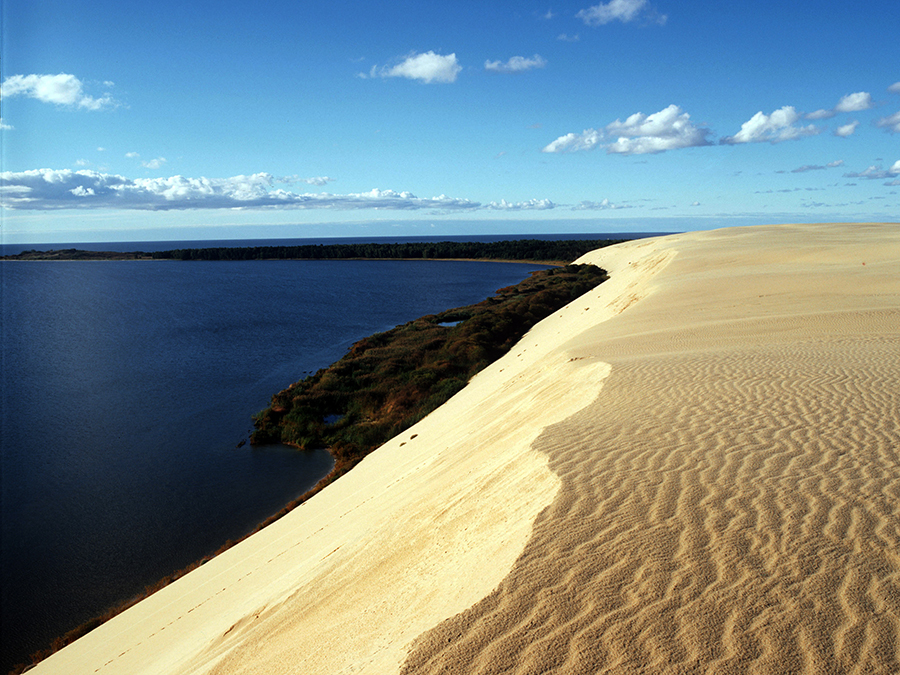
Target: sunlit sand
{"type": "Point", "coordinates": [691, 469]}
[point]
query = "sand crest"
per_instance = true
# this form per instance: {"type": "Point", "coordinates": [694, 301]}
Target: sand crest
{"type": "Point", "coordinates": [692, 469]}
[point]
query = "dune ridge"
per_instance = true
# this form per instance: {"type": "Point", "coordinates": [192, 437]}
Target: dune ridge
{"type": "Point", "coordinates": [691, 469]}
{"type": "Point", "coordinates": [731, 501]}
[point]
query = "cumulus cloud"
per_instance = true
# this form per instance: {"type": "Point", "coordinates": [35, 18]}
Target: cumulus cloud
{"type": "Point", "coordinates": [846, 130]}
{"type": "Point", "coordinates": [154, 163]}
{"type": "Point", "coordinates": [603, 205]}
{"type": "Point", "coordinates": [62, 89]}
{"type": "Point", "coordinates": [894, 88]}
{"type": "Point", "coordinates": [48, 189]}
{"type": "Point", "coordinates": [876, 172]}
{"type": "Point", "coordinates": [428, 67]}
{"type": "Point", "coordinates": [620, 10]}
{"type": "Point", "coordinates": [530, 205]}
{"type": "Point", "coordinates": [891, 123]}
{"type": "Point", "coordinates": [4, 126]}
{"type": "Point", "coordinates": [639, 134]}
{"type": "Point", "coordinates": [775, 128]}
{"type": "Point", "coordinates": [860, 100]}
{"type": "Point", "coordinates": [516, 64]}
{"type": "Point", "coordinates": [314, 180]}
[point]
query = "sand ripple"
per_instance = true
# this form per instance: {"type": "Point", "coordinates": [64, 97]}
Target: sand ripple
{"type": "Point", "coordinates": [722, 511]}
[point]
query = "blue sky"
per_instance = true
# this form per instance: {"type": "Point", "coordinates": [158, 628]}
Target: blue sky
{"type": "Point", "coordinates": [188, 119]}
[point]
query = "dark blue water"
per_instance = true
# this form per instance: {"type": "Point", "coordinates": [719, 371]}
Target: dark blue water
{"type": "Point", "coordinates": [126, 389]}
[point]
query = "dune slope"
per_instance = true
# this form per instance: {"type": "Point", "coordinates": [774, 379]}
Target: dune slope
{"type": "Point", "coordinates": [691, 469]}
{"type": "Point", "coordinates": [731, 501]}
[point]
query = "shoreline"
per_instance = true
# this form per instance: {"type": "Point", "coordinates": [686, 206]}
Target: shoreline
{"type": "Point", "coordinates": [671, 470]}
{"type": "Point", "coordinates": [343, 459]}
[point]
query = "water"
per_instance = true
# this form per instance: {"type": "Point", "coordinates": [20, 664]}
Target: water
{"type": "Point", "coordinates": [126, 390]}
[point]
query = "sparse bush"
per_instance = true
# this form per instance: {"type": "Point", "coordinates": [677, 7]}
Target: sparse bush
{"type": "Point", "coordinates": [389, 381]}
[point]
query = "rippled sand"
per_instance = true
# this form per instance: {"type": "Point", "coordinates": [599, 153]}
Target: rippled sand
{"type": "Point", "coordinates": [694, 468]}
{"type": "Point", "coordinates": [731, 501]}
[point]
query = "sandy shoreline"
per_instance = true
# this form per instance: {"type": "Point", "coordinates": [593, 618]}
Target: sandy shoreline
{"type": "Point", "coordinates": [692, 469]}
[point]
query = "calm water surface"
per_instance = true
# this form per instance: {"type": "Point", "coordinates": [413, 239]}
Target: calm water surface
{"type": "Point", "coordinates": [126, 390]}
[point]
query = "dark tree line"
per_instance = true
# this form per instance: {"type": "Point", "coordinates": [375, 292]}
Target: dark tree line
{"type": "Point", "coordinates": [517, 249]}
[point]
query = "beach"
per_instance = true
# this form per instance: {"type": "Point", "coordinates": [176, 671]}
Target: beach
{"type": "Point", "coordinates": [693, 468]}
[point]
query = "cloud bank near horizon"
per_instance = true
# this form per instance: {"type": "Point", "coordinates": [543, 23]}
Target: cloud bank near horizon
{"type": "Point", "coordinates": [49, 189]}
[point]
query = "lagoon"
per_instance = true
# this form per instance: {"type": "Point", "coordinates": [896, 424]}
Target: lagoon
{"type": "Point", "coordinates": [127, 393]}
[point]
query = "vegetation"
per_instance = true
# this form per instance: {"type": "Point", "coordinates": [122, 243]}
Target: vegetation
{"type": "Point", "coordinates": [77, 254]}
{"type": "Point", "coordinates": [520, 249]}
{"type": "Point", "coordinates": [390, 380]}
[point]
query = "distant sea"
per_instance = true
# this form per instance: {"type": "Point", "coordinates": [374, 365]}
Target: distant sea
{"type": "Point", "coordinates": [127, 395]}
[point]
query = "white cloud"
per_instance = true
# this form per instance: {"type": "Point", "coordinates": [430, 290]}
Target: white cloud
{"type": "Point", "coordinates": [530, 205]}
{"type": "Point", "coordinates": [894, 88]}
{"type": "Point", "coordinates": [876, 172]}
{"type": "Point", "coordinates": [62, 89]}
{"type": "Point", "coordinates": [516, 64]}
{"type": "Point", "coordinates": [48, 189]}
{"type": "Point", "coordinates": [603, 205]}
{"type": "Point", "coordinates": [572, 142]}
{"type": "Point", "coordinates": [315, 180]}
{"type": "Point", "coordinates": [154, 163]}
{"type": "Point", "coordinates": [619, 10]}
{"type": "Point", "coordinates": [568, 38]}
{"type": "Point", "coordinates": [846, 129]}
{"type": "Point", "coordinates": [891, 123]}
{"type": "Point", "coordinates": [861, 100]}
{"type": "Point", "coordinates": [132, 155]}
{"type": "Point", "coordinates": [428, 67]}
{"type": "Point", "coordinates": [774, 128]}
{"type": "Point", "coordinates": [4, 126]}
{"type": "Point", "coordinates": [668, 129]}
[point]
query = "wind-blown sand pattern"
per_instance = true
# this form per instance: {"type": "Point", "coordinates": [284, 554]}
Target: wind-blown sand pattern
{"type": "Point", "coordinates": [694, 468]}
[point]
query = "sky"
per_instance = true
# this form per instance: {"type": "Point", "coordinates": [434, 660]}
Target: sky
{"type": "Point", "coordinates": [221, 120]}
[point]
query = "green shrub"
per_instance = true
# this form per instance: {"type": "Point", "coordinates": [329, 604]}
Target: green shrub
{"type": "Point", "coordinates": [389, 381]}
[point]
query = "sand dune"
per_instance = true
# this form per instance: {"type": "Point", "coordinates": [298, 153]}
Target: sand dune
{"type": "Point", "coordinates": [694, 468]}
